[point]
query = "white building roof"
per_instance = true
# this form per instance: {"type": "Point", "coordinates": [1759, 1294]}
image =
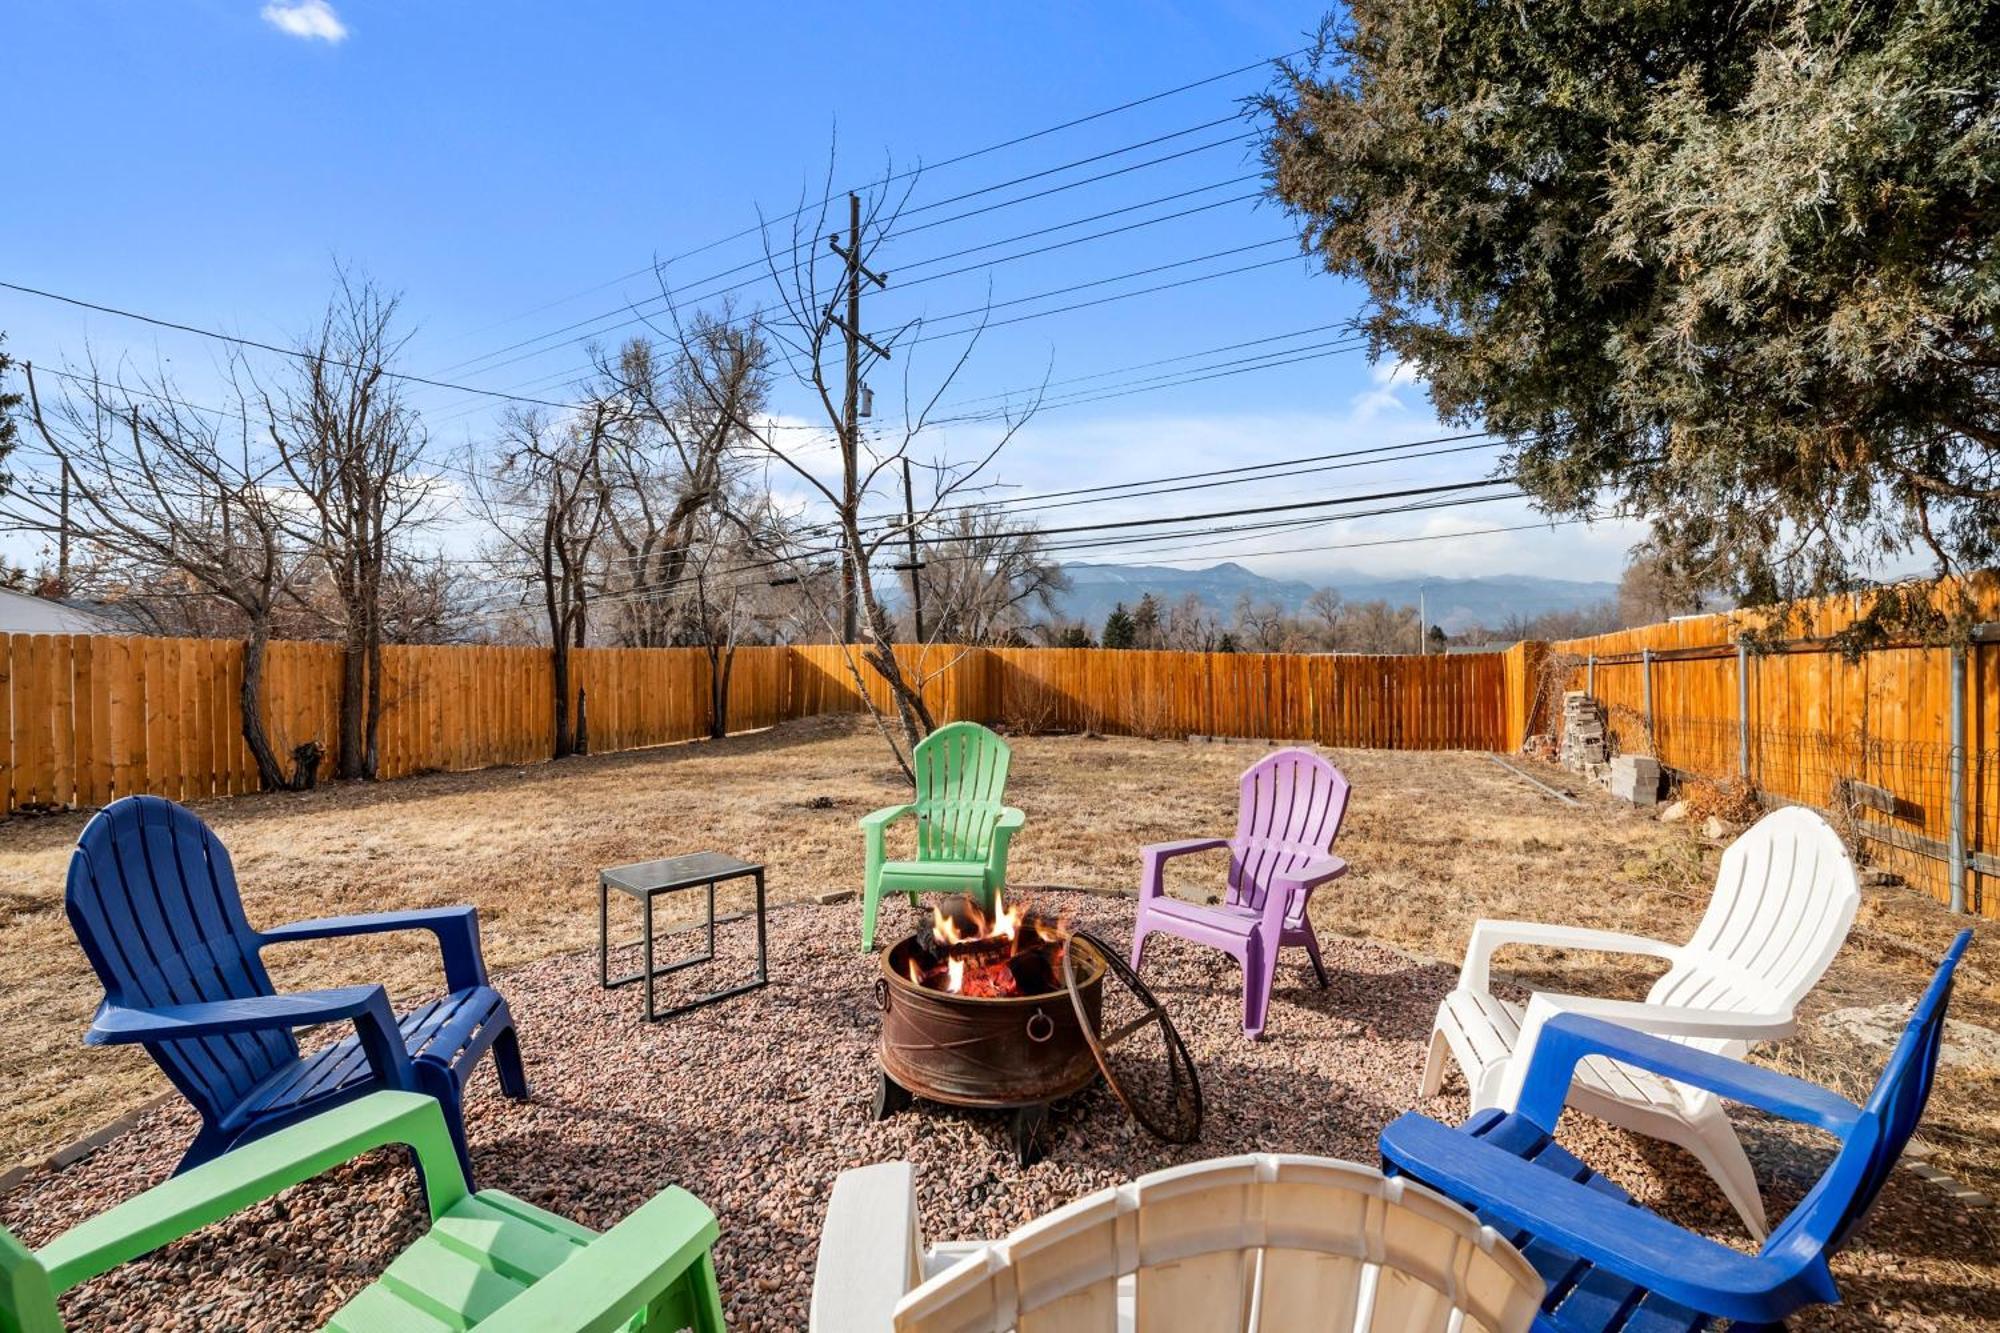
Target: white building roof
{"type": "Point", "coordinates": [22, 613]}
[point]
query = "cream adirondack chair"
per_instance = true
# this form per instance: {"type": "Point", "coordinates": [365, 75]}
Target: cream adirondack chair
{"type": "Point", "coordinates": [1783, 902]}
{"type": "Point", "coordinates": [1260, 1242]}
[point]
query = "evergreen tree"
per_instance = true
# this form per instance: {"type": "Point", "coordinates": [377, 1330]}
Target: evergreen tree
{"type": "Point", "coordinates": [1726, 267]}
{"type": "Point", "coordinates": [1118, 630]}
{"type": "Point", "coordinates": [1146, 622]}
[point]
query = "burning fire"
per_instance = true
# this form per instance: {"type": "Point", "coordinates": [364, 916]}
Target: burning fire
{"type": "Point", "coordinates": [1016, 952]}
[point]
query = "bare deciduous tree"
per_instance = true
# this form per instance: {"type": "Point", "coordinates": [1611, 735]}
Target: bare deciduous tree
{"type": "Point", "coordinates": [809, 334]}
{"type": "Point", "coordinates": [546, 499]}
{"type": "Point", "coordinates": [353, 448]}
{"type": "Point", "coordinates": [186, 503]}
{"type": "Point", "coordinates": [678, 453]}
{"type": "Point", "coordinates": [983, 580]}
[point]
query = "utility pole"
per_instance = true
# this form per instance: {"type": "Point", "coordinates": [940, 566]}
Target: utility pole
{"type": "Point", "coordinates": [850, 411]}
{"type": "Point", "coordinates": [1423, 624]}
{"type": "Point", "coordinates": [915, 565]}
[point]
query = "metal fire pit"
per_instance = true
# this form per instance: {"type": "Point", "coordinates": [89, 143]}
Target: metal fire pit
{"type": "Point", "coordinates": [1016, 1053]}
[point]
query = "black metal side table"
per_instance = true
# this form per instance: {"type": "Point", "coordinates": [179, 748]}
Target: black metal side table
{"type": "Point", "coordinates": [645, 881]}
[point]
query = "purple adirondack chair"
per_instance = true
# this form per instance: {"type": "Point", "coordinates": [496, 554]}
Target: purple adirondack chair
{"type": "Point", "coordinates": [1292, 805]}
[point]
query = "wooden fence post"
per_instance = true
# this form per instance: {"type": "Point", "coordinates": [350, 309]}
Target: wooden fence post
{"type": "Point", "coordinates": [1646, 667]}
{"type": "Point", "coordinates": [1520, 681]}
{"type": "Point", "coordinates": [1743, 709]}
{"type": "Point", "coordinates": [1955, 828]}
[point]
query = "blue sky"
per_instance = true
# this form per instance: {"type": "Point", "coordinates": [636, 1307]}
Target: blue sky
{"type": "Point", "coordinates": [502, 164]}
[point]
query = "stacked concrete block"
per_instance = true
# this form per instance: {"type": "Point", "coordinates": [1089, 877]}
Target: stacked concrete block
{"type": "Point", "coordinates": [1583, 740]}
{"type": "Point", "coordinates": [1636, 778]}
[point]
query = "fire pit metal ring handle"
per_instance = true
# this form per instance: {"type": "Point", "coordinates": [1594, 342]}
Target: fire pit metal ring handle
{"type": "Point", "coordinates": [882, 994]}
{"type": "Point", "coordinates": [1048, 1028]}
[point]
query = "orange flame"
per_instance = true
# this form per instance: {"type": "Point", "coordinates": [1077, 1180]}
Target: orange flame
{"type": "Point", "coordinates": [1015, 927]}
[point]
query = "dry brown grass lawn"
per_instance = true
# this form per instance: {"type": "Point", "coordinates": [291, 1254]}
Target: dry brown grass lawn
{"type": "Point", "coordinates": [1436, 840]}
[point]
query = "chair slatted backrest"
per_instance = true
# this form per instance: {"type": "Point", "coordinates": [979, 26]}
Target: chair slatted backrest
{"type": "Point", "coordinates": [961, 773]}
{"type": "Point", "coordinates": [153, 900]}
{"type": "Point", "coordinates": [1291, 808]}
{"type": "Point", "coordinates": [1784, 898]}
{"type": "Point", "coordinates": [1841, 1198]}
{"type": "Point", "coordinates": [1306, 1242]}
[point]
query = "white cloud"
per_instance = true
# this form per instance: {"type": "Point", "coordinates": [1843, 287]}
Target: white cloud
{"type": "Point", "coordinates": [312, 20]}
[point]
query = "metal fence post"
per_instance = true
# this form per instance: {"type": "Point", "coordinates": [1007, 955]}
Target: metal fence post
{"type": "Point", "coordinates": [1646, 670]}
{"type": "Point", "coordinates": [1743, 709]}
{"type": "Point", "coordinates": [1955, 836]}
{"type": "Point", "coordinates": [1590, 675]}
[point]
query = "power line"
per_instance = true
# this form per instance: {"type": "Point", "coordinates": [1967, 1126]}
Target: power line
{"type": "Point", "coordinates": [891, 178]}
{"type": "Point", "coordinates": [1042, 296]}
{"type": "Point", "coordinates": [1222, 535]}
{"type": "Point", "coordinates": [274, 348]}
{"type": "Point", "coordinates": [690, 291]}
{"type": "Point", "coordinates": [1154, 383]}
{"type": "Point", "coordinates": [1161, 520]}
{"type": "Point", "coordinates": [1121, 296]}
{"type": "Point", "coordinates": [1148, 365]}
{"type": "Point", "coordinates": [1255, 467]}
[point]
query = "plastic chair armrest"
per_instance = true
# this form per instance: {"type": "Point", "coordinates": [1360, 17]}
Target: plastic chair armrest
{"type": "Point", "coordinates": [1567, 1038]}
{"type": "Point", "coordinates": [254, 1171]}
{"type": "Point", "coordinates": [1287, 890]}
{"type": "Point", "coordinates": [621, 1273]}
{"type": "Point", "coordinates": [877, 820]}
{"type": "Point", "coordinates": [368, 1007]}
{"type": "Point", "coordinates": [870, 1249]}
{"type": "Point", "coordinates": [1313, 873]}
{"type": "Point", "coordinates": [1662, 1020]}
{"type": "Point", "coordinates": [1488, 936]}
{"type": "Point", "coordinates": [1161, 851]}
{"type": "Point", "coordinates": [1606, 1230]}
{"type": "Point", "coordinates": [118, 1024]}
{"type": "Point", "coordinates": [456, 930]}
{"type": "Point", "coordinates": [1153, 860]}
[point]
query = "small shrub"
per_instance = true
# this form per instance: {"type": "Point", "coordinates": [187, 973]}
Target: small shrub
{"type": "Point", "coordinates": [1730, 800]}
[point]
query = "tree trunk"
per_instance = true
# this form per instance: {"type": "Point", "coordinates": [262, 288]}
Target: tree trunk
{"type": "Point", "coordinates": [911, 710]}
{"type": "Point", "coordinates": [371, 752]}
{"type": "Point", "coordinates": [353, 694]}
{"type": "Point", "coordinates": [250, 700]}
{"type": "Point", "coordinates": [559, 662]}
{"type": "Point", "coordinates": [720, 661]}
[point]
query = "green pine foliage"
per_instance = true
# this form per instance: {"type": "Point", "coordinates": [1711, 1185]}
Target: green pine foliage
{"type": "Point", "coordinates": [1119, 632]}
{"type": "Point", "coordinates": [1733, 267]}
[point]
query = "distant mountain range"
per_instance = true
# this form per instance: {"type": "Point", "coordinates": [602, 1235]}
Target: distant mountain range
{"type": "Point", "coordinates": [1456, 604]}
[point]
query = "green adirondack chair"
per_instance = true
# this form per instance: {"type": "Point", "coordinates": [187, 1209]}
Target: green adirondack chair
{"type": "Point", "coordinates": [489, 1261]}
{"type": "Point", "coordinates": [962, 829]}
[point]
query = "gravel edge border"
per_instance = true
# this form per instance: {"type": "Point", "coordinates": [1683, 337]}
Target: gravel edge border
{"type": "Point", "coordinates": [71, 1153]}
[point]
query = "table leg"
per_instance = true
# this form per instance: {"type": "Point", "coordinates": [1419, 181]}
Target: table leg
{"type": "Point", "coordinates": [646, 901]}
{"type": "Point", "coordinates": [711, 918]}
{"type": "Point", "coordinates": [603, 935]}
{"type": "Point", "coordinates": [763, 973]}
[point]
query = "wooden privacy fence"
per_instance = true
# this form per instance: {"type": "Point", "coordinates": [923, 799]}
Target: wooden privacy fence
{"type": "Point", "coordinates": [87, 718]}
{"type": "Point", "coordinates": [1878, 741]}
{"type": "Point", "coordinates": [1899, 745]}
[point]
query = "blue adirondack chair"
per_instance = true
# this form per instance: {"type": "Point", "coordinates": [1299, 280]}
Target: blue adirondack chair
{"type": "Point", "coordinates": [1611, 1264]}
{"type": "Point", "coordinates": [153, 900]}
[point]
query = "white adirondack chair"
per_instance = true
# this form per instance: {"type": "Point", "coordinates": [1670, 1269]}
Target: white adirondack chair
{"type": "Point", "coordinates": [1783, 902]}
{"type": "Point", "coordinates": [1237, 1244]}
